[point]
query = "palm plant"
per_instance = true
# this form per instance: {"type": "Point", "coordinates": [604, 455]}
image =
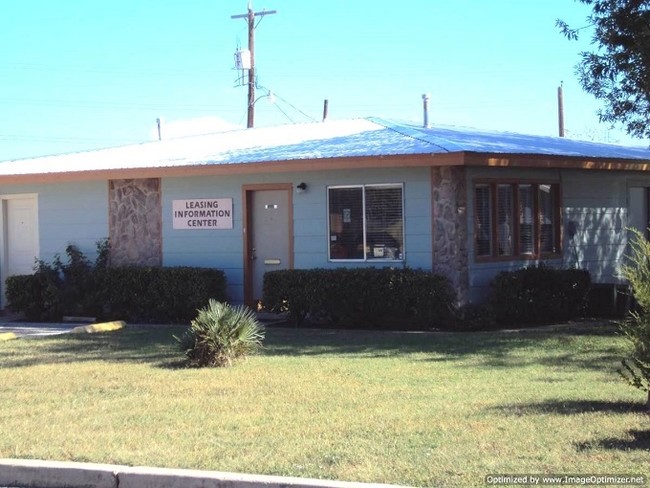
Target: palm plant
{"type": "Point", "coordinates": [220, 334]}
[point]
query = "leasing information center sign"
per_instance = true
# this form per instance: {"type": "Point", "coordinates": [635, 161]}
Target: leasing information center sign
{"type": "Point", "coordinates": [206, 213]}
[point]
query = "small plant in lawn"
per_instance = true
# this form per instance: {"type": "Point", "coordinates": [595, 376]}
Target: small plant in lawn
{"type": "Point", "coordinates": [220, 334]}
{"type": "Point", "coordinates": [636, 328]}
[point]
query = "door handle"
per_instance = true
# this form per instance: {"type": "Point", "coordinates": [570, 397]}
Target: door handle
{"type": "Point", "coordinates": [252, 254]}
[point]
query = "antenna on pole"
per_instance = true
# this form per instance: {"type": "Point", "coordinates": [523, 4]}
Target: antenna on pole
{"type": "Point", "coordinates": [250, 18]}
{"type": "Point", "coordinates": [560, 110]}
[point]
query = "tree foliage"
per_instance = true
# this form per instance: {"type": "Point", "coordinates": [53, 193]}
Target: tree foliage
{"type": "Point", "coordinates": [617, 70]}
{"type": "Point", "coordinates": [636, 328]}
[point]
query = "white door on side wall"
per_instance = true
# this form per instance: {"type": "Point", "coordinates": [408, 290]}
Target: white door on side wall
{"type": "Point", "coordinates": [638, 209]}
{"type": "Point", "coordinates": [19, 236]}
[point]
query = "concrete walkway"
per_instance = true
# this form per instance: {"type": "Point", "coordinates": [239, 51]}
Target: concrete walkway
{"type": "Point", "coordinates": [55, 474]}
{"type": "Point", "coordinates": [28, 329]}
{"type": "Point", "coordinates": [11, 328]}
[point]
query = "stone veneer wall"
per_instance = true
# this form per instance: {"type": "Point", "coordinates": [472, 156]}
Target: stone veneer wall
{"type": "Point", "coordinates": [135, 222]}
{"type": "Point", "coordinates": [450, 257]}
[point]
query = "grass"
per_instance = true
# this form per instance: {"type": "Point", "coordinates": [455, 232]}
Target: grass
{"type": "Point", "coordinates": [414, 409]}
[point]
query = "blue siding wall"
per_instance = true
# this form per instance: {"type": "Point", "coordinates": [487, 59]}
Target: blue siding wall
{"type": "Point", "coordinates": [596, 205]}
{"type": "Point", "coordinates": [220, 249]}
{"type": "Point", "coordinates": [594, 202]}
{"type": "Point", "coordinates": [68, 213]}
{"type": "Point", "coordinates": [310, 215]}
{"type": "Point", "coordinates": [223, 248]}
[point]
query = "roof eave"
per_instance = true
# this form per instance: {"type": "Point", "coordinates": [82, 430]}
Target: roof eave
{"type": "Point", "coordinates": [554, 161]}
{"type": "Point", "coordinates": [461, 158]}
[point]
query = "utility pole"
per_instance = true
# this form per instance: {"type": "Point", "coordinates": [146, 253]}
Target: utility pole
{"type": "Point", "coordinates": [560, 110]}
{"type": "Point", "coordinates": [250, 18]}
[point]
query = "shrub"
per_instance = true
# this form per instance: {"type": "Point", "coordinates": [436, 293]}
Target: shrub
{"type": "Point", "coordinates": [538, 294]}
{"type": "Point", "coordinates": [472, 317]}
{"type": "Point", "coordinates": [37, 296]}
{"type": "Point", "coordinates": [636, 328]}
{"type": "Point", "coordinates": [82, 285]}
{"type": "Point", "coordinates": [361, 297]}
{"type": "Point", "coordinates": [131, 293]}
{"type": "Point", "coordinates": [221, 334]}
{"type": "Point", "coordinates": [160, 295]}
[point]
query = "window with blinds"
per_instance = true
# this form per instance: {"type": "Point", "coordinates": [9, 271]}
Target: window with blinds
{"type": "Point", "coordinates": [366, 222]}
{"type": "Point", "coordinates": [547, 221]}
{"type": "Point", "coordinates": [516, 219]}
{"type": "Point", "coordinates": [505, 220]}
{"type": "Point", "coordinates": [483, 233]}
{"type": "Point", "coordinates": [526, 220]}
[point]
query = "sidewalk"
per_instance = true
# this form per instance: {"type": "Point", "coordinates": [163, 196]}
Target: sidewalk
{"type": "Point", "coordinates": [35, 329]}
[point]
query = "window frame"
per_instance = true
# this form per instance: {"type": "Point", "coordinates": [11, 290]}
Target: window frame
{"type": "Point", "coordinates": [517, 254]}
{"type": "Point", "coordinates": [366, 259]}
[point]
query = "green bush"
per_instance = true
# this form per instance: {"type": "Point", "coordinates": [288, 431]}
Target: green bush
{"type": "Point", "coordinates": [361, 297]}
{"type": "Point", "coordinates": [473, 317]}
{"type": "Point", "coordinates": [538, 294]}
{"type": "Point", "coordinates": [131, 293]}
{"type": "Point", "coordinates": [82, 285]}
{"type": "Point", "coordinates": [160, 295]}
{"type": "Point", "coordinates": [37, 296]}
{"type": "Point", "coordinates": [221, 334]}
{"type": "Point", "coordinates": [636, 328]}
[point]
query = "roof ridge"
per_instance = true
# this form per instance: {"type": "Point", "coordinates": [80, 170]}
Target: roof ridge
{"type": "Point", "coordinates": [412, 133]}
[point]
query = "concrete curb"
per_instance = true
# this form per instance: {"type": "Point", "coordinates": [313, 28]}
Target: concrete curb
{"type": "Point", "coordinates": [102, 327]}
{"type": "Point", "coordinates": [30, 473]}
{"type": "Point", "coordinates": [52, 474]}
{"type": "Point", "coordinates": [7, 336]}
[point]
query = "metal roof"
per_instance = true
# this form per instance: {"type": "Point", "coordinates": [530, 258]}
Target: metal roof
{"type": "Point", "coordinates": [318, 140]}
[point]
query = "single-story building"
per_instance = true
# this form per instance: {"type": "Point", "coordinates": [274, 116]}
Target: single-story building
{"type": "Point", "coordinates": [364, 192]}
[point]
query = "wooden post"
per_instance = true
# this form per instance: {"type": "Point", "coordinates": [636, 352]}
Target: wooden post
{"type": "Point", "coordinates": [560, 110]}
{"type": "Point", "coordinates": [251, 71]}
{"type": "Point", "coordinates": [325, 109]}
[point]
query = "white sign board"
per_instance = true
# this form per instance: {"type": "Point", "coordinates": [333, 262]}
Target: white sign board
{"type": "Point", "coordinates": [204, 213]}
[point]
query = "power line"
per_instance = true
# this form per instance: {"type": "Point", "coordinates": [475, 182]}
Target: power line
{"type": "Point", "coordinates": [295, 108]}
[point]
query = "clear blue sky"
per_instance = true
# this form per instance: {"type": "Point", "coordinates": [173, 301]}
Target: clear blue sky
{"type": "Point", "coordinates": [81, 74]}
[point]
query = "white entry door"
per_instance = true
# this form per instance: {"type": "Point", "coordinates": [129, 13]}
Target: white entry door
{"type": "Point", "coordinates": [638, 209]}
{"type": "Point", "coordinates": [20, 236]}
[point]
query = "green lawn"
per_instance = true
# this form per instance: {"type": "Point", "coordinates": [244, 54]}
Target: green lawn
{"type": "Point", "coordinates": [415, 409]}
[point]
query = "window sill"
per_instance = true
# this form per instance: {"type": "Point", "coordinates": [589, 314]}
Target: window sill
{"type": "Point", "coordinates": [521, 257]}
{"type": "Point", "coordinates": [366, 260]}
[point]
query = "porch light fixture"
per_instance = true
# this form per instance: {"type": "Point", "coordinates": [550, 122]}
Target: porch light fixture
{"type": "Point", "coordinates": [301, 187]}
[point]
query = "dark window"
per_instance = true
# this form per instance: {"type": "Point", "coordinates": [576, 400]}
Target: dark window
{"type": "Point", "coordinates": [516, 219]}
{"type": "Point", "coordinates": [366, 222]}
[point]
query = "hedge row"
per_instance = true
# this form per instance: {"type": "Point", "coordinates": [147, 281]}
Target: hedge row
{"type": "Point", "coordinates": [407, 298]}
{"type": "Point", "coordinates": [363, 297]}
{"type": "Point", "coordinates": [134, 294]}
{"type": "Point", "coordinates": [343, 297]}
{"type": "Point", "coordinates": [162, 295]}
{"type": "Point", "coordinates": [539, 294]}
